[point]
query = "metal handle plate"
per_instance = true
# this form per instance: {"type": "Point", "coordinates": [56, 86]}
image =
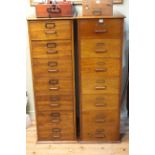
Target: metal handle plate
{"type": "Point", "coordinates": [51, 32]}
{"type": "Point", "coordinates": [101, 51]}
{"type": "Point", "coordinates": [99, 135]}
{"type": "Point", "coordinates": [53, 70]}
{"type": "Point", "coordinates": [101, 31]}
{"type": "Point", "coordinates": [51, 45]}
{"type": "Point", "coordinates": [56, 136]}
{"type": "Point", "coordinates": [55, 98]}
{"type": "Point", "coordinates": [55, 114]}
{"type": "Point", "coordinates": [100, 69]}
{"type": "Point", "coordinates": [53, 82]}
{"type": "Point", "coordinates": [100, 44]}
{"type": "Point", "coordinates": [56, 130]}
{"type": "Point", "coordinates": [49, 25]}
{"type": "Point", "coordinates": [100, 120]}
{"type": "Point", "coordinates": [52, 63]}
{"type": "Point", "coordinates": [54, 88]}
{"type": "Point", "coordinates": [100, 88]}
{"type": "Point", "coordinates": [52, 52]}
{"type": "Point", "coordinates": [54, 104]}
{"type": "Point", "coordinates": [100, 104]}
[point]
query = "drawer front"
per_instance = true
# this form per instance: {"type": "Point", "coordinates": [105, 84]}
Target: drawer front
{"type": "Point", "coordinates": [99, 118]}
{"type": "Point", "coordinates": [52, 67]}
{"type": "Point", "coordinates": [100, 28]}
{"type": "Point", "coordinates": [51, 119]}
{"type": "Point", "coordinates": [50, 29]}
{"type": "Point", "coordinates": [55, 102]}
{"type": "Point", "coordinates": [56, 136]}
{"type": "Point", "coordinates": [99, 102]}
{"type": "Point", "coordinates": [50, 86]}
{"type": "Point", "coordinates": [104, 133]}
{"type": "Point", "coordinates": [51, 48]}
{"type": "Point", "coordinates": [100, 125]}
{"type": "Point", "coordinates": [55, 125]}
{"type": "Point", "coordinates": [100, 48]}
{"type": "Point", "coordinates": [100, 85]}
{"type": "Point", "coordinates": [100, 67]}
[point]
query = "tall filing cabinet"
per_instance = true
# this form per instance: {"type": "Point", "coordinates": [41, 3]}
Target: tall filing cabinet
{"type": "Point", "coordinates": [98, 64]}
{"type": "Point", "coordinates": [99, 68]}
{"type": "Point", "coordinates": [52, 57]}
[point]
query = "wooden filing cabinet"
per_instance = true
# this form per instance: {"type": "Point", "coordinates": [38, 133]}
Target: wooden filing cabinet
{"type": "Point", "coordinates": [98, 61]}
{"type": "Point", "coordinates": [52, 58]}
{"type": "Point", "coordinates": [99, 69]}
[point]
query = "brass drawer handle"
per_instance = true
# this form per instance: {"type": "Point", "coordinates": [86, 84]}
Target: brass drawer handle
{"type": "Point", "coordinates": [55, 98]}
{"type": "Point", "coordinates": [99, 136]}
{"type": "Point", "coordinates": [52, 52]}
{"type": "Point", "coordinates": [53, 82]}
{"type": "Point", "coordinates": [56, 136]}
{"type": "Point", "coordinates": [55, 114]}
{"type": "Point", "coordinates": [100, 69]}
{"type": "Point", "coordinates": [51, 45]}
{"type": "Point", "coordinates": [101, 51]}
{"type": "Point", "coordinates": [101, 31]}
{"type": "Point", "coordinates": [100, 44]}
{"type": "Point", "coordinates": [53, 70]}
{"type": "Point", "coordinates": [100, 104]}
{"type": "Point", "coordinates": [52, 63]}
{"type": "Point", "coordinates": [100, 120]}
{"type": "Point", "coordinates": [55, 120]}
{"type": "Point", "coordinates": [49, 25]}
{"type": "Point", "coordinates": [54, 88]}
{"type": "Point", "coordinates": [51, 32]}
{"type": "Point", "coordinates": [54, 105]}
{"type": "Point", "coordinates": [56, 130]}
{"type": "Point", "coordinates": [99, 130]}
{"type": "Point", "coordinates": [101, 88]}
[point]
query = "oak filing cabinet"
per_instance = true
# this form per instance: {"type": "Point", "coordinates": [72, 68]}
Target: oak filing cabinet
{"type": "Point", "coordinates": [98, 59]}
{"type": "Point", "coordinates": [52, 58]}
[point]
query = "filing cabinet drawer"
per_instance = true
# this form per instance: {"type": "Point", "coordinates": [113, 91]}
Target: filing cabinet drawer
{"type": "Point", "coordinates": [101, 48]}
{"type": "Point", "coordinates": [53, 119]}
{"type": "Point", "coordinates": [99, 102]}
{"type": "Point", "coordinates": [56, 136]}
{"type": "Point", "coordinates": [100, 67]}
{"type": "Point", "coordinates": [91, 85]}
{"type": "Point", "coordinates": [50, 86]}
{"type": "Point", "coordinates": [104, 133]}
{"type": "Point", "coordinates": [56, 125]}
{"type": "Point", "coordinates": [53, 67]}
{"type": "Point", "coordinates": [99, 118]}
{"type": "Point", "coordinates": [50, 29]}
{"type": "Point", "coordinates": [51, 48]}
{"type": "Point", "coordinates": [55, 102]}
{"type": "Point", "coordinates": [100, 28]}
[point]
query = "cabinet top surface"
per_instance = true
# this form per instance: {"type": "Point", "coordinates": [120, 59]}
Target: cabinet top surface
{"type": "Point", "coordinates": [115, 15]}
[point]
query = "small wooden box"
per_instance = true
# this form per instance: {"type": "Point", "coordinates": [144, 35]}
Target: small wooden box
{"type": "Point", "coordinates": [97, 7]}
{"type": "Point", "coordinates": [60, 9]}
